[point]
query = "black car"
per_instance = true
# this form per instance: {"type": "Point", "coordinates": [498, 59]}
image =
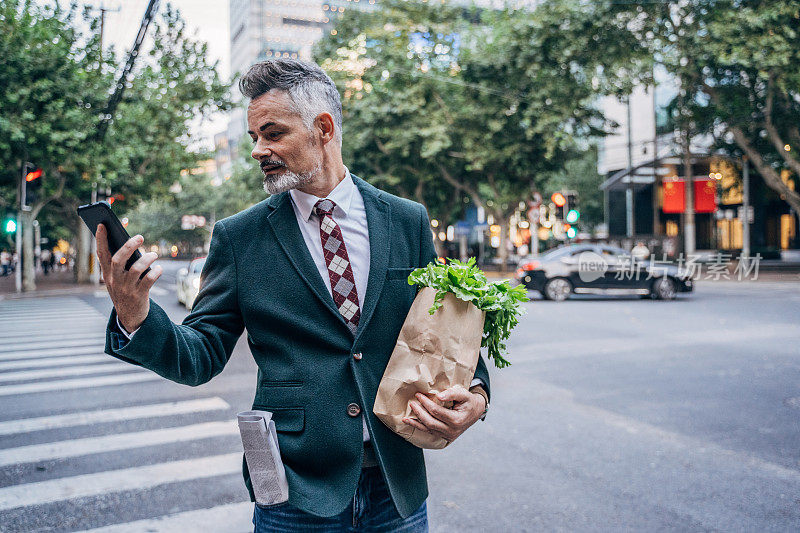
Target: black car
{"type": "Point", "coordinates": [600, 269]}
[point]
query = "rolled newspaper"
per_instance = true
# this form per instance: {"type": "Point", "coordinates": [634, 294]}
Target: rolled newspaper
{"type": "Point", "coordinates": [263, 458]}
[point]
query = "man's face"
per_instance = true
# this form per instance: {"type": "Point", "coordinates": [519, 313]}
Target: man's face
{"type": "Point", "coordinates": [289, 154]}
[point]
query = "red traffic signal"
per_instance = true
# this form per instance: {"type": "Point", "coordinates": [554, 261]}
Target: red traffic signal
{"type": "Point", "coordinates": [558, 199]}
{"type": "Point", "coordinates": [34, 174]}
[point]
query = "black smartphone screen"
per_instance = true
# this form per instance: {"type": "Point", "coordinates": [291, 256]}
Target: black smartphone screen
{"type": "Point", "coordinates": [101, 213]}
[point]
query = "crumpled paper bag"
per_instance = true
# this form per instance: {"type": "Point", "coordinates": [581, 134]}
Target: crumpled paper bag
{"type": "Point", "coordinates": [260, 443]}
{"type": "Point", "coordinates": [433, 353]}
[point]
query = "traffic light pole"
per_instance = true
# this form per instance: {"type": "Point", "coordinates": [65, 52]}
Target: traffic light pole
{"type": "Point", "coordinates": [18, 235]}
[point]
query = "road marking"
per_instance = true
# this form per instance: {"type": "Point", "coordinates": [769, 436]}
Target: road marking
{"type": "Point", "coordinates": [89, 349]}
{"type": "Point", "coordinates": [53, 361]}
{"type": "Point", "coordinates": [50, 334]}
{"type": "Point", "coordinates": [116, 442]}
{"type": "Point", "coordinates": [85, 418]}
{"type": "Point", "coordinates": [158, 290]}
{"type": "Point", "coordinates": [115, 481]}
{"type": "Point", "coordinates": [114, 365]}
{"type": "Point", "coordinates": [53, 342]}
{"type": "Point", "coordinates": [78, 383]}
{"type": "Point", "coordinates": [234, 517]}
{"type": "Point", "coordinates": [11, 319]}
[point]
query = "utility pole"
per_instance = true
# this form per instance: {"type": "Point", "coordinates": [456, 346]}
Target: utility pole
{"type": "Point", "coordinates": [745, 207]}
{"type": "Point", "coordinates": [629, 205]}
{"type": "Point", "coordinates": [688, 224]}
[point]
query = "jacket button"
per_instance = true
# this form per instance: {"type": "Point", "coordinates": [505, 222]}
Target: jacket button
{"type": "Point", "coordinates": [357, 356]}
{"type": "Point", "coordinates": [353, 409]}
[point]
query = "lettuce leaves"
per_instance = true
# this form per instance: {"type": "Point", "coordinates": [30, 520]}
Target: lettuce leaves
{"type": "Point", "coordinates": [500, 300]}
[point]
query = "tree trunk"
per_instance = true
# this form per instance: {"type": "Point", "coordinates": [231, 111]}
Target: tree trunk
{"type": "Point", "coordinates": [28, 259]}
{"type": "Point", "coordinates": [83, 248]}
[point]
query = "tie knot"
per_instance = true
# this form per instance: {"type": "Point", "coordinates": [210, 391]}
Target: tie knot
{"type": "Point", "coordinates": [324, 207]}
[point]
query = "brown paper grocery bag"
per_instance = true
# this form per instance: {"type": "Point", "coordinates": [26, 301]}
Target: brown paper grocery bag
{"type": "Point", "coordinates": [433, 353]}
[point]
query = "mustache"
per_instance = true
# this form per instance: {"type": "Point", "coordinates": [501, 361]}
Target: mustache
{"type": "Point", "coordinates": [270, 163]}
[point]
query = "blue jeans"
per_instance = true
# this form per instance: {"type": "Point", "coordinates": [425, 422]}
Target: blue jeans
{"type": "Point", "coordinates": [371, 510]}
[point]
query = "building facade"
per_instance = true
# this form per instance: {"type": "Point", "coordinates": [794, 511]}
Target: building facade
{"type": "Point", "coordinates": [645, 186]}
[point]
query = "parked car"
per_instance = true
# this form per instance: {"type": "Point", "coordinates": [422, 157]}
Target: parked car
{"type": "Point", "coordinates": [600, 269]}
{"type": "Point", "coordinates": [187, 283]}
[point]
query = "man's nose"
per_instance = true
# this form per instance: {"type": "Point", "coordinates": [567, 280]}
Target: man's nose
{"type": "Point", "coordinates": [260, 150]}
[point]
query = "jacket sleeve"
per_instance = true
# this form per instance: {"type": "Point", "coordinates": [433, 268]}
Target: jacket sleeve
{"type": "Point", "coordinates": [428, 254]}
{"type": "Point", "coordinates": [196, 350]}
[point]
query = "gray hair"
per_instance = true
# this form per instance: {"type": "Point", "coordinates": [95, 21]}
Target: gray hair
{"type": "Point", "coordinates": [311, 90]}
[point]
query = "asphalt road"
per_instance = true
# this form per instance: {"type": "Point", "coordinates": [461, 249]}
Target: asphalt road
{"type": "Point", "coordinates": [616, 414]}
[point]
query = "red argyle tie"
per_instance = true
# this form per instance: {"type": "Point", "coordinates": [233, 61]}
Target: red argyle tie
{"type": "Point", "coordinates": [343, 285]}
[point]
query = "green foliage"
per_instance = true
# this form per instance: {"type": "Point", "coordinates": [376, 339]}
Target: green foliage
{"type": "Point", "coordinates": [500, 301]}
{"type": "Point", "coordinates": [736, 62]}
{"type": "Point", "coordinates": [444, 103]}
{"type": "Point", "coordinates": [54, 85]}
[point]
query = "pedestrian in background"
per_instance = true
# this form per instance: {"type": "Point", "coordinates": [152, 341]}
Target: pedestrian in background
{"type": "Point", "coordinates": [640, 251]}
{"type": "Point", "coordinates": [5, 260]}
{"type": "Point", "coordinates": [46, 258]}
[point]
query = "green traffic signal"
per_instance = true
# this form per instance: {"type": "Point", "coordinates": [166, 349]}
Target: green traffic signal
{"type": "Point", "coordinates": [573, 215]}
{"type": "Point", "coordinates": [10, 225]}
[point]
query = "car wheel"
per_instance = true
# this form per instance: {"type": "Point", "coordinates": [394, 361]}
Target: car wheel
{"type": "Point", "coordinates": [664, 288]}
{"type": "Point", "coordinates": [557, 289]}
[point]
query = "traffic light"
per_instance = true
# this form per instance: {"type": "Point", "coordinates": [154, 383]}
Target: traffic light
{"type": "Point", "coordinates": [33, 182]}
{"type": "Point", "coordinates": [560, 202]}
{"type": "Point", "coordinates": [571, 208]}
{"type": "Point", "coordinates": [9, 225]}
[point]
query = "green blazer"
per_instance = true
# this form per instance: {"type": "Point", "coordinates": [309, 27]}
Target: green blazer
{"type": "Point", "coordinates": [259, 275]}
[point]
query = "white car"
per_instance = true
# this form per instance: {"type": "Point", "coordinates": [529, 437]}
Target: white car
{"type": "Point", "coordinates": [187, 283]}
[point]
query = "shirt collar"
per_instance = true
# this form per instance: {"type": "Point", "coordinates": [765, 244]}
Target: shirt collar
{"type": "Point", "coordinates": [341, 195]}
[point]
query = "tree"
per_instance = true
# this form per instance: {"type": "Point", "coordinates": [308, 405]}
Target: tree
{"type": "Point", "coordinates": [485, 102]}
{"type": "Point", "coordinates": [737, 66]}
{"type": "Point", "coordinates": [53, 88]}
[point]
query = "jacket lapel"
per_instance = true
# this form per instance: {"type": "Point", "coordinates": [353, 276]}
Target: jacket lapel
{"type": "Point", "coordinates": [379, 216]}
{"type": "Point", "coordinates": [283, 222]}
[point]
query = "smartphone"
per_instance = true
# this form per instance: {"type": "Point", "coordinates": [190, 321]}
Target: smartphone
{"type": "Point", "coordinates": [101, 213]}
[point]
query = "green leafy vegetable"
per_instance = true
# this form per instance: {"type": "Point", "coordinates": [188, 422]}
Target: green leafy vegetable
{"type": "Point", "coordinates": [467, 282]}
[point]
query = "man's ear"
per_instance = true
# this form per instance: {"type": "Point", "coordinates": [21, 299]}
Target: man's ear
{"type": "Point", "coordinates": [324, 127]}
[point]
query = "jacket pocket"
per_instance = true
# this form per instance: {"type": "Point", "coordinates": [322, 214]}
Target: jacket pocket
{"type": "Point", "coordinates": [287, 419]}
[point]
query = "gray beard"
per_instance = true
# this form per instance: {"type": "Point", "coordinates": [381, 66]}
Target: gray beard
{"type": "Point", "coordinates": [287, 180]}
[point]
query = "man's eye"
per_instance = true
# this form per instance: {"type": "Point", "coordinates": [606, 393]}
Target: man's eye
{"type": "Point", "coordinates": [274, 134]}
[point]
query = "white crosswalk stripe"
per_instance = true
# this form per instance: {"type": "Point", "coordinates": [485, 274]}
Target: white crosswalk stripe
{"type": "Point", "coordinates": [231, 518]}
{"type": "Point", "coordinates": [55, 346]}
{"type": "Point", "coordinates": [62, 343]}
{"type": "Point", "coordinates": [122, 414]}
{"type": "Point", "coordinates": [51, 362]}
{"type": "Point", "coordinates": [100, 368]}
{"type": "Point", "coordinates": [113, 481]}
{"type": "Point", "coordinates": [112, 443]}
{"type": "Point", "coordinates": [62, 334]}
{"type": "Point", "coordinates": [32, 354]}
{"type": "Point", "coordinates": [79, 383]}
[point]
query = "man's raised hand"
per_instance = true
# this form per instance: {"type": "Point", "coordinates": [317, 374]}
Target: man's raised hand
{"type": "Point", "coordinates": [130, 295]}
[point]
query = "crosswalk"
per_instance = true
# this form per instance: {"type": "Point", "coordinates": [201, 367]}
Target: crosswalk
{"type": "Point", "coordinates": [52, 348]}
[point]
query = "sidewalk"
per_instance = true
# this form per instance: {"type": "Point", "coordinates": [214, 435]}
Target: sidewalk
{"type": "Point", "coordinates": [54, 284]}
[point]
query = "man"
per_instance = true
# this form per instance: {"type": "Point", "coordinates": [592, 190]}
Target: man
{"type": "Point", "coordinates": [317, 274]}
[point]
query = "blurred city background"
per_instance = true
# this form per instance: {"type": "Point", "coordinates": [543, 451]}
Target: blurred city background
{"type": "Point", "coordinates": [603, 153]}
